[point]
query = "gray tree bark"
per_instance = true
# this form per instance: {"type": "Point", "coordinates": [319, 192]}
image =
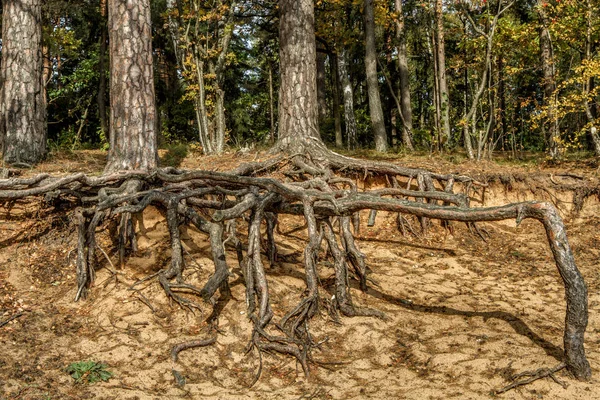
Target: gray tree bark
{"type": "Point", "coordinates": [132, 100]}
{"type": "Point", "coordinates": [350, 119]}
{"type": "Point", "coordinates": [375, 108]}
{"type": "Point", "coordinates": [298, 114]}
{"type": "Point", "coordinates": [22, 92]}
{"type": "Point", "coordinates": [404, 78]}
{"type": "Point", "coordinates": [441, 73]}
{"type": "Point", "coordinates": [337, 118]}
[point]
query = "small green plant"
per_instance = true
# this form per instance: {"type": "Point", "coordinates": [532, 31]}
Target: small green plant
{"type": "Point", "coordinates": [89, 372]}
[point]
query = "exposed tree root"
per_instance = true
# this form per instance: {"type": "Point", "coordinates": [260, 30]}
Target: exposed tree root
{"type": "Point", "coordinates": [329, 204]}
{"type": "Point", "coordinates": [532, 376]}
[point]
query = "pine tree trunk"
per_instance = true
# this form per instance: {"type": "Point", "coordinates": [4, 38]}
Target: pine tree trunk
{"type": "Point", "coordinates": [132, 100]}
{"type": "Point", "coordinates": [349, 118]}
{"type": "Point", "coordinates": [404, 78]}
{"type": "Point", "coordinates": [375, 108]}
{"type": "Point", "coordinates": [22, 92]}
{"type": "Point", "coordinates": [298, 115]}
{"type": "Point", "coordinates": [441, 71]}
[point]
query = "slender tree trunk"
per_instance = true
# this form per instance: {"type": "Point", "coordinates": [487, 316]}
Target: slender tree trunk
{"type": "Point", "coordinates": [271, 105]}
{"type": "Point", "coordinates": [337, 118]}
{"type": "Point", "coordinates": [440, 50]}
{"type": "Point", "coordinates": [407, 124]}
{"type": "Point", "coordinates": [549, 83]}
{"type": "Point", "coordinates": [22, 93]}
{"type": "Point", "coordinates": [132, 100]}
{"type": "Point", "coordinates": [298, 115]}
{"type": "Point", "coordinates": [101, 99]}
{"type": "Point", "coordinates": [375, 108]}
{"type": "Point", "coordinates": [436, 97]}
{"type": "Point", "coordinates": [348, 93]}
{"type": "Point", "coordinates": [321, 86]}
{"type": "Point", "coordinates": [588, 83]}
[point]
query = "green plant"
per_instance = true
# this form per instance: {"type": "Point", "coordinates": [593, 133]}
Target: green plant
{"type": "Point", "coordinates": [89, 372]}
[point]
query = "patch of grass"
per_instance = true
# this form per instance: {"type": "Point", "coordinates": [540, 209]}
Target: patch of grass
{"type": "Point", "coordinates": [89, 372]}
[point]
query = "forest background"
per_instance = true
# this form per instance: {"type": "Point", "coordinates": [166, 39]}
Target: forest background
{"type": "Point", "coordinates": [474, 77]}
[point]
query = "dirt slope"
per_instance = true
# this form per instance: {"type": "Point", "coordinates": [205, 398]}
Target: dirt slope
{"type": "Point", "coordinates": [462, 314]}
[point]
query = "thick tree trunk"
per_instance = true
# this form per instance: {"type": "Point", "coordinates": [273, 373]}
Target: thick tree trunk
{"type": "Point", "coordinates": [440, 50]}
{"type": "Point", "coordinates": [404, 78]}
{"type": "Point", "coordinates": [22, 94]}
{"type": "Point", "coordinates": [375, 108]}
{"type": "Point", "coordinates": [298, 115]}
{"type": "Point", "coordinates": [350, 119]}
{"type": "Point", "coordinates": [549, 83]}
{"type": "Point", "coordinates": [133, 112]}
{"type": "Point", "coordinates": [271, 105]}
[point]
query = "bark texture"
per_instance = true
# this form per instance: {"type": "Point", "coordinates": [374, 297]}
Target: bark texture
{"type": "Point", "coordinates": [22, 93]}
{"type": "Point", "coordinates": [298, 115]}
{"type": "Point", "coordinates": [132, 100]}
{"type": "Point", "coordinates": [375, 108]}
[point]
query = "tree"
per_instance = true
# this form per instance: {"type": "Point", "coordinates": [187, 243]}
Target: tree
{"type": "Point", "coordinates": [406, 107]}
{"type": "Point", "coordinates": [549, 81]}
{"type": "Point", "coordinates": [375, 109]}
{"type": "Point", "coordinates": [22, 95]}
{"type": "Point", "coordinates": [440, 55]}
{"type": "Point", "coordinates": [298, 115]}
{"type": "Point", "coordinates": [132, 102]}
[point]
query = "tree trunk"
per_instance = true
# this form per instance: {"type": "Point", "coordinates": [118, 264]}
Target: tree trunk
{"type": "Point", "coordinates": [404, 78]}
{"type": "Point", "coordinates": [440, 50]}
{"type": "Point", "coordinates": [133, 112]}
{"type": "Point", "coordinates": [298, 115]}
{"type": "Point", "coordinates": [547, 61]}
{"type": "Point", "coordinates": [22, 94]}
{"type": "Point", "coordinates": [588, 83]}
{"type": "Point", "coordinates": [337, 118]}
{"type": "Point", "coordinates": [271, 105]}
{"type": "Point", "coordinates": [101, 99]}
{"type": "Point", "coordinates": [375, 108]}
{"type": "Point", "coordinates": [349, 118]}
{"type": "Point", "coordinates": [321, 86]}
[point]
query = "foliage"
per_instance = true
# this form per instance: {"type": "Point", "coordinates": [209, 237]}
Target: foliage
{"type": "Point", "coordinates": [89, 372]}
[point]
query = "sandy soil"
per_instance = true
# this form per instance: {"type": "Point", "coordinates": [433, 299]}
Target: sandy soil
{"type": "Point", "coordinates": [462, 314]}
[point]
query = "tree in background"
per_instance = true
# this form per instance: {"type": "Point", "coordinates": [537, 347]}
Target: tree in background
{"type": "Point", "coordinates": [22, 95]}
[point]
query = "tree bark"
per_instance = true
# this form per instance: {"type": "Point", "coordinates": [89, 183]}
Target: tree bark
{"type": "Point", "coordinates": [404, 78]}
{"type": "Point", "coordinates": [549, 82]}
{"type": "Point", "coordinates": [22, 93]}
{"type": "Point", "coordinates": [298, 115]}
{"type": "Point", "coordinates": [132, 99]}
{"type": "Point", "coordinates": [441, 73]}
{"type": "Point", "coordinates": [350, 119]}
{"type": "Point", "coordinates": [375, 108]}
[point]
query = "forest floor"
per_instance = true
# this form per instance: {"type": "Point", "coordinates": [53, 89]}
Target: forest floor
{"type": "Point", "coordinates": [462, 314]}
